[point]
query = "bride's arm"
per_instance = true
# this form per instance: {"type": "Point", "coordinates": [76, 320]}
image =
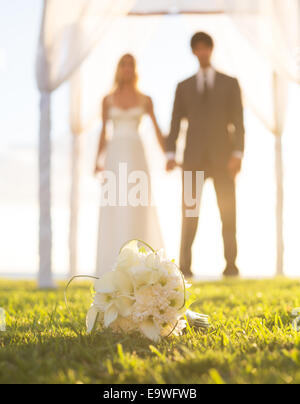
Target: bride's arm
{"type": "Point", "coordinates": [150, 111]}
{"type": "Point", "coordinates": [102, 141]}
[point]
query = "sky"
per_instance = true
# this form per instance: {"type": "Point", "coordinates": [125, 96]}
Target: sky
{"type": "Point", "coordinates": [19, 101]}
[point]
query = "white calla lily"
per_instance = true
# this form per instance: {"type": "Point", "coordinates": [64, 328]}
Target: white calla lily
{"type": "Point", "coordinates": [103, 300]}
{"type": "Point", "coordinates": [177, 300]}
{"type": "Point", "coordinates": [115, 281]}
{"type": "Point", "coordinates": [91, 318]}
{"type": "Point", "coordinates": [110, 315]}
{"type": "Point", "coordinates": [141, 275]}
{"type": "Point", "coordinates": [113, 306]}
{"type": "Point", "coordinates": [124, 306]}
{"type": "Point", "coordinates": [150, 330]}
{"type": "Point", "coordinates": [105, 284]}
{"type": "Point", "coordinates": [153, 261]}
{"type": "Point", "coordinates": [169, 266]}
{"type": "Point", "coordinates": [127, 258]}
{"type": "Point", "coordinates": [123, 283]}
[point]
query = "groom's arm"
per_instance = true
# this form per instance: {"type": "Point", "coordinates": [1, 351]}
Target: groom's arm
{"type": "Point", "coordinates": [237, 119]}
{"type": "Point", "coordinates": [177, 116]}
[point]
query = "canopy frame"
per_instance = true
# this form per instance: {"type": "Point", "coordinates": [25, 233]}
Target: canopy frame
{"type": "Point", "coordinates": [45, 271]}
{"type": "Point", "coordinates": [182, 12]}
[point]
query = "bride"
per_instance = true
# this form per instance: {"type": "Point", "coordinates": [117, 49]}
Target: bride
{"type": "Point", "coordinates": [124, 107]}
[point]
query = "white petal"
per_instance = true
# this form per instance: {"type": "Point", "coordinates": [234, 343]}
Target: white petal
{"type": "Point", "coordinates": [161, 253]}
{"type": "Point", "coordinates": [124, 306]}
{"type": "Point", "coordinates": [102, 300]}
{"type": "Point", "coordinates": [150, 330]}
{"type": "Point", "coordinates": [110, 315]}
{"type": "Point", "coordinates": [128, 257]}
{"type": "Point", "coordinates": [105, 284]}
{"type": "Point", "coordinates": [123, 283]}
{"type": "Point", "coordinates": [141, 276]}
{"type": "Point", "coordinates": [91, 318]}
{"type": "Point", "coordinates": [153, 261]}
{"type": "Point", "coordinates": [155, 277]}
{"type": "Point", "coordinates": [172, 269]}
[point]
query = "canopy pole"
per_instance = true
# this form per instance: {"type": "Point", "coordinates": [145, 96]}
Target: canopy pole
{"type": "Point", "coordinates": [45, 278]}
{"type": "Point", "coordinates": [279, 119]}
{"type": "Point", "coordinates": [74, 205]}
{"type": "Point", "coordinates": [279, 206]}
{"type": "Point", "coordinates": [76, 131]}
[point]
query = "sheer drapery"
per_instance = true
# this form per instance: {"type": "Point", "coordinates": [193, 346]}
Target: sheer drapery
{"type": "Point", "coordinates": [264, 54]}
{"type": "Point", "coordinates": [177, 6]}
{"type": "Point", "coordinates": [59, 35]}
{"type": "Point", "coordinates": [273, 28]}
{"type": "Point", "coordinates": [89, 84]}
{"type": "Point", "coordinates": [236, 56]}
{"type": "Point", "coordinates": [128, 35]}
{"type": "Point", "coordinates": [56, 62]}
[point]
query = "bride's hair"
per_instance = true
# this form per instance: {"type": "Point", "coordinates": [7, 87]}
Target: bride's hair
{"type": "Point", "coordinates": [118, 81]}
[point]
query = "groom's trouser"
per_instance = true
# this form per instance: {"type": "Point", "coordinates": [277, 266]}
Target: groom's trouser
{"type": "Point", "coordinates": [225, 190]}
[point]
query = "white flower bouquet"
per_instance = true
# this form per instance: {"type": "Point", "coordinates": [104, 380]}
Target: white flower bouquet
{"type": "Point", "coordinates": [144, 293]}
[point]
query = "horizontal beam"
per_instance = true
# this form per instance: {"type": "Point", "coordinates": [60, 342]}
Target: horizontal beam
{"type": "Point", "coordinates": [190, 12]}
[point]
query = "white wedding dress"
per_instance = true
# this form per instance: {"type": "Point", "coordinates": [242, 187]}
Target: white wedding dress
{"type": "Point", "coordinates": [119, 224]}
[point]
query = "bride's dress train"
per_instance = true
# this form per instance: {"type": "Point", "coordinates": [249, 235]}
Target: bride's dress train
{"type": "Point", "coordinates": [119, 224]}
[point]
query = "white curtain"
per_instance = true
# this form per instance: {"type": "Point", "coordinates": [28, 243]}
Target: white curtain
{"type": "Point", "coordinates": [89, 84]}
{"type": "Point", "coordinates": [56, 62]}
{"type": "Point", "coordinates": [273, 28]}
{"type": "Point", "coordinates": [175, 6]}
{"type": "Point", "coordinates": [236, 56]}
{"type": "Point", "coordinates": [127, 35]}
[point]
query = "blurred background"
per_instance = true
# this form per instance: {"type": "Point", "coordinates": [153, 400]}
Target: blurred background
{"type": "Point", "coordinates": [164, 59]}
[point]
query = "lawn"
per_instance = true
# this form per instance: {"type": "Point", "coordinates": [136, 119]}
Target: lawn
{"type": "Point", "coordinates": [251, 339]}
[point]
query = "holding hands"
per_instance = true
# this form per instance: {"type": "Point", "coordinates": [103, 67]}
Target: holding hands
{"type": "Point", "coordinates": [234, 166]}
{"type": "Point", "coordinates": [171, 165]}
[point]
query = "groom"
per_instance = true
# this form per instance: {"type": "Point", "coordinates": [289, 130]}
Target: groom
{"type": "Point", "coordinates": [211, 103]}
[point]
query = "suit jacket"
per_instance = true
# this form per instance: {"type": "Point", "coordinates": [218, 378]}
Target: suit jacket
{"type": "Point", "coordinates": [215, 123]}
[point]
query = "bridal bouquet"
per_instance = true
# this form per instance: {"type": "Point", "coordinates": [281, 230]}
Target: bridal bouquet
{"type": "Point", "coordinates": [144, 293]}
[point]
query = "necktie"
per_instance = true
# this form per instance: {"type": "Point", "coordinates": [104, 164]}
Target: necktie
{"type": "Point", "coordinates": [205, 85]}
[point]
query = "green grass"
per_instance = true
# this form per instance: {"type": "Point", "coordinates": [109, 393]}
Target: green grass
{"type": "Point", "coordinates": [251, 339]}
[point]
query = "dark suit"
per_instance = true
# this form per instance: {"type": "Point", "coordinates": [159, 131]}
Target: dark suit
{"type": "Point", "coordinates": [215, 131]}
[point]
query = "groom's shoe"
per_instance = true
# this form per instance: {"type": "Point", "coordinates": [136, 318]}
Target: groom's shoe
{"type": "Point", "coordinates": [231, 271]}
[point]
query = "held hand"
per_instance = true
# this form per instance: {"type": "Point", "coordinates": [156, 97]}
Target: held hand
{"type": "Point", "coordinates": [234, 166]}
{"type": "Point", "coordinates": [171, 165]}
{"type": "Point", "coordinates": [98, 169]}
